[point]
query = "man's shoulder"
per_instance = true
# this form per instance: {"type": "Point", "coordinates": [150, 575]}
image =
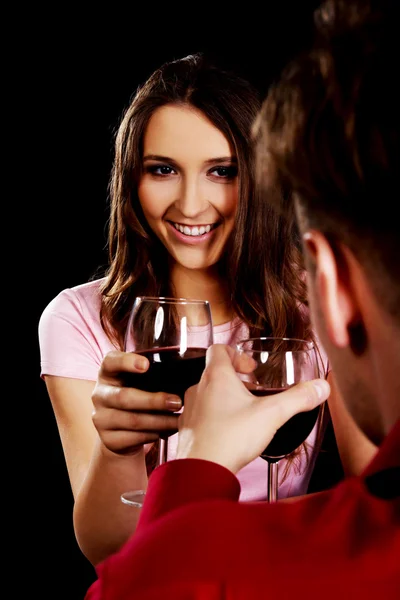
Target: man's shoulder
{"type": "Point", "coordinates": [327, 539]}
{"type": "Point", "coordinates": [251, 538]}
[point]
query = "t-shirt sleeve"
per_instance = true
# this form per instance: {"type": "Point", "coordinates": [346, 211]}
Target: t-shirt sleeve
{"type": "Point", "coordinates": [67, 341]}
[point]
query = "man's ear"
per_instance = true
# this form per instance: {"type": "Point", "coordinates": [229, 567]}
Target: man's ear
{"type": "Point", "coordinates": [332, 283]}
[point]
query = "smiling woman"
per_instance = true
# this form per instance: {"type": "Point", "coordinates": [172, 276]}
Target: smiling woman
{"type": "Point", "coordinates": [185, 221]}
{"type": "Point", "coordinates": [189, 188]}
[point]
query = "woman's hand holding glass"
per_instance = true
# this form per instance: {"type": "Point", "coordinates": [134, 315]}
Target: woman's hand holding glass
{"type": "Point", "coordinates": [127, 418]}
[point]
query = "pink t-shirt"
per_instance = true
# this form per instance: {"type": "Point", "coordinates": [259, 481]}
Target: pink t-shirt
{"type": "Point", "coordinates": [73, 344]}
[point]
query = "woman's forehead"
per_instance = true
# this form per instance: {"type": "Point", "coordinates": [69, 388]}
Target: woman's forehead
{"type": "Point", "coordinates": [182, 133]}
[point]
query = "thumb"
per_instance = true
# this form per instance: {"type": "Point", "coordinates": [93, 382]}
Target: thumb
{"type": "Point", "coordinates": [219, 355]}
{"type": "Point", "coordinates": [226, 355]}
{"type": "Point", "coordinates": [301, 397]}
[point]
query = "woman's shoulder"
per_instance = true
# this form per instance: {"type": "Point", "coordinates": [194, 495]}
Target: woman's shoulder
{"type": "Point", "coordinates": [71, 338]}
{"type": "Point", "coordinates": [84, 299]}
{"type": "Point", "coordinates": [88, 292]}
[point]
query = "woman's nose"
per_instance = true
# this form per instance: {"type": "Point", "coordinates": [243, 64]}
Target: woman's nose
{"type": "Point", "coordinates": [191, 201]}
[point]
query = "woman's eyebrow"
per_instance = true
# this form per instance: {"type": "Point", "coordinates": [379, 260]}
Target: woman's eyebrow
{"type": "Point", "coordinates": [210, 161]}
{"type": "Point", "coordinates": [221, 159]}
{"type": "Point", "coordinates": [157, 157]}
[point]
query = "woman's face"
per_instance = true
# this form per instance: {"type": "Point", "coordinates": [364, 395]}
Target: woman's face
{"type": "Point", "coordinates": [189, 187]}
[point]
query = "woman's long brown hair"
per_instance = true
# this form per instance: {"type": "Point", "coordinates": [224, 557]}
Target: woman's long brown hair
{"type": "Point", "coordinates": [262, 263]}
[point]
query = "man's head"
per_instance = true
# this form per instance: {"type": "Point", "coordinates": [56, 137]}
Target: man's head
{"type": "Point", "coordinates": [328, 138]}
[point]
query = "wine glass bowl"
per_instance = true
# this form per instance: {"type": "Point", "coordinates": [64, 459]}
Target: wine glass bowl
{"type": "Point", "coordinates": [280, 363]}
{"type": "Point", "coordinates": [173, 334]}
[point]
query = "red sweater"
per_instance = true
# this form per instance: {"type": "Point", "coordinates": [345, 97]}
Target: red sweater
{"type": "Point", "coordinates": [195, 541]}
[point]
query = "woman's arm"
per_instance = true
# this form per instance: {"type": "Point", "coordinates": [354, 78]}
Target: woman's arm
{"type": "Point", "coordinates": [355, 450]}
{"type": "Point", "coordinates": [104, 452]}
{"type": "Point", "coordinates": [98, 477]}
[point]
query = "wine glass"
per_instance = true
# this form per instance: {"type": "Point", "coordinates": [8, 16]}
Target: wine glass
{"type": "Point", "coordinates": [279, 364]}
{"type": "Point", "coordinates": [173, 334]}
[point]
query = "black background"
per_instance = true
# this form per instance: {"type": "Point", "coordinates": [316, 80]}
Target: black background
{"type": "Point", "coordinates": [74, 76]}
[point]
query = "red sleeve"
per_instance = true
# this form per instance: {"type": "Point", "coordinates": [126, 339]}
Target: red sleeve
{"type": "Point", "coordinates": [168, 489]}
{"type": "Point", "coordinates": [195, 541]}
{"type": "Point", "coordinates": [179, 482]}
{"type": "Point", "coordinates": [174, 590]}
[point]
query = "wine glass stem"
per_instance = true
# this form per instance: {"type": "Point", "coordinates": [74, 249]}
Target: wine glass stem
{"type": "Point", "coordinates": [272, 481]}
{"type": "Point", "coordinates": [162, 451]}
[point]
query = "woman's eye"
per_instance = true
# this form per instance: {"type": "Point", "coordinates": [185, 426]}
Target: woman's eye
{"type": "Point", "coordinates": [225, 172]}
{"type": "Point", "coordinates": [159, 170]}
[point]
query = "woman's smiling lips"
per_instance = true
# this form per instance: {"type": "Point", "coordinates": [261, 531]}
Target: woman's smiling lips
{"type": "Point", "coordinates": [188, 238]}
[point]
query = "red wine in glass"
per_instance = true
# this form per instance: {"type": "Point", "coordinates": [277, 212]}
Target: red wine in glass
{"type": "Point", "coordinates": [280, 363]}
{"type": "Point", "coordinates": [169, 370]}
{"type": "Point", "coordinates": [293, 433]}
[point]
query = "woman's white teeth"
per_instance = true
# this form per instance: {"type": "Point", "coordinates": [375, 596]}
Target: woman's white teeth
{"type": "Point", "coordinates": [192, 230]}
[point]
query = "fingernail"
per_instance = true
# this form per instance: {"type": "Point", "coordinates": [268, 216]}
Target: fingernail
{"type": "Point", "coordinates": [323, 389]}
{"type": "Point", "coordinates": [141, 364]}
{"type": "Point", "coordinates": [173, 402]}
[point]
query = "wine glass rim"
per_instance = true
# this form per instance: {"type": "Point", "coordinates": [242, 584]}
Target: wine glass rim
{"type": "Point", "coordinates": [309, 343]}
{"type": "Point", "coordinates": [172, 300]}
